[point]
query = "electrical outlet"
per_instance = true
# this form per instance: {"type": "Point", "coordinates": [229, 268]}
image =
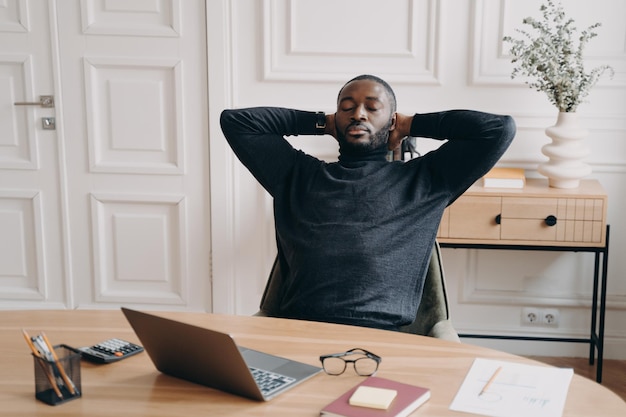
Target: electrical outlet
{"type": "Point", "coordinates": [535, 316]}
{"type": "Point", "coordinates": [531, 315]}
{"type": "Point", "coordinates": [550, 316]}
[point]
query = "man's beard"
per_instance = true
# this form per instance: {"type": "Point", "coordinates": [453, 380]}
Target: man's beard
{"type": "Point", "coordinates": [377, 140]}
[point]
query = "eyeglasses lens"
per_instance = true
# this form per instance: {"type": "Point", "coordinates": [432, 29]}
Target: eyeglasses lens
{"type": "Point", "coordinates": [365, 366]}
{"type": "Point", "coordinates": [334, 366]}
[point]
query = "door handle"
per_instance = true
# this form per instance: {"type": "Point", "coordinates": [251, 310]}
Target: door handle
{"type": "Point", "coordinates": [44, 101]}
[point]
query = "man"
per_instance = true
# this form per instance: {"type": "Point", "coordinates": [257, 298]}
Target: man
{"type": "Point", "coordinates": [354, 237]}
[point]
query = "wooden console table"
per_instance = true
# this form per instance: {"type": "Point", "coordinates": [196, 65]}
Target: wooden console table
{"type": "Point", "coordinates": [537, 218]}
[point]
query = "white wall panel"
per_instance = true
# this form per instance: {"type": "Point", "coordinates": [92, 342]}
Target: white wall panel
{"type": "Point", "coordinates": [18, 146]}
{"type": "Point", "coordinates": [495, 19]}
{"type": "Point", "coordinates": [139, 248]}
{"type": "Point", "coordinates": [131, 18]}
{"type": "Point", "coordinates": [296, 49]}
{"type": "Point", "coordinates": [14, 16]}
{"type": "Point", "coordinates": [22, 269]}
{"type": "Point", "coordinates": [122, 139]}
{"type": "Point", "coordinates": [549, 279]}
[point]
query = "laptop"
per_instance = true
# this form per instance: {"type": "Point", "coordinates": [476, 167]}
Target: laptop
{"type": "Point", "coordinates": [213, 359]}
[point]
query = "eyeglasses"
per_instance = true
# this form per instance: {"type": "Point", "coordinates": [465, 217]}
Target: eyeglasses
{"type": "Point", "coordinates": [366, 364]}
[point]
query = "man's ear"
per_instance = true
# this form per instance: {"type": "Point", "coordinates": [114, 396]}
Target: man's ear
{"type": "Point", "coordinates": [395, 140]}
{"type": "Point", "coordinates": [394, 119]}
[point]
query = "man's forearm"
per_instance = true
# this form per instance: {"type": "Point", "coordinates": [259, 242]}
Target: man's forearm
{"type": "Point", "coordinates": [256, 135]}
{"type": "Point", "coordinates": [460, 125]}
{"type": "Point", "coordinates": [272, 120]}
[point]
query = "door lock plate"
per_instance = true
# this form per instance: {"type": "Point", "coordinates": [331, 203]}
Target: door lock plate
{"type": "Point", "coordinates": [48, 123]}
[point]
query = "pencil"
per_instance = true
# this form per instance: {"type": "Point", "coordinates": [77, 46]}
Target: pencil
{"type": "Point", "coordinates": [488, 384]}
{"type": "Point", "coordinates": [68, 382]}
{"type": "Point", "coordinates": [46, 371]}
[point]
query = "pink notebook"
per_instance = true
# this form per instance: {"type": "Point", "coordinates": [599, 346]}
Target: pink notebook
{"type": "Point", "coordinates": [408, 399]}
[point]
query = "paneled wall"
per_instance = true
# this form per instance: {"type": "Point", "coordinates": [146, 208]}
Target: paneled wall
{"type": "Point", "coordinates": [437, 55]}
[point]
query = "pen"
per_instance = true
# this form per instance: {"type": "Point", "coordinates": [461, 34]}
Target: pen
{"type": "Point", "coordinates": [68, 382]}
{"type": "Point", "coordinates": [43, 348]}
{"type": "Point", "coordinates": [488, 384]}
{"type": "Point", "coordinates": [46, 371]}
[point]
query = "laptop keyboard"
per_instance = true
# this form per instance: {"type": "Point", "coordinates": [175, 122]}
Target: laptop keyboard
{"type": "Point", "coordinates": [268, 381]}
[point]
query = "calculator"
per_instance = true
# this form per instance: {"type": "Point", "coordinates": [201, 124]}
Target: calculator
{"type": "Point", "coordinates": [110, 350]}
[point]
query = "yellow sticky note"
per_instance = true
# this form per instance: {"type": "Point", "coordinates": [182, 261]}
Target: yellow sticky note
{"type": "Point", "coordinates": [372, 397]}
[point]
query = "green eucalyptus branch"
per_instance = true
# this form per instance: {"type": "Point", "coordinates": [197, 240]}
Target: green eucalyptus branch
{"type": "Point", "coordinates": [551, 56]}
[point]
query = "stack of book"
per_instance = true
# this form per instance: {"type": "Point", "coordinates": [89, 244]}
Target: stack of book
{"type": "Point", "coordinates": [504, 178]}
{"type": "Point", "coordinates": [378, 397]}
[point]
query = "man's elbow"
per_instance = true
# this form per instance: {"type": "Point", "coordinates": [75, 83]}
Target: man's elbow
{"type": "Point", "coordinates": [225, 118]}
{"type": "Point", "coordinates": [508, 126]}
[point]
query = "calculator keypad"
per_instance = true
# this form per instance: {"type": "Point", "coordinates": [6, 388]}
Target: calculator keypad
{"type": "Point", "coordinates": [116, 347]}
{"type": "Point", "coordinates": [110, 350]}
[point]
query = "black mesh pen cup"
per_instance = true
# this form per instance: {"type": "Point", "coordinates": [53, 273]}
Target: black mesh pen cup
{"type": "Point", "coordinates": [58, 381]}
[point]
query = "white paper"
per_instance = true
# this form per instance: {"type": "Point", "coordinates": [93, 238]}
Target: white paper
{"type": "Point", "coordinates": [517, 390]}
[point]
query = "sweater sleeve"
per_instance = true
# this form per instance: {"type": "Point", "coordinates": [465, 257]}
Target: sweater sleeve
{"type": "Point", "coordinates": [475, 141]}
{"type": "Point", "coordinates": [256, 135]}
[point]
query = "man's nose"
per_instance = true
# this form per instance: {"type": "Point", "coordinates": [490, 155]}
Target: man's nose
{"type": "Point", "coordinates": [359, 113]}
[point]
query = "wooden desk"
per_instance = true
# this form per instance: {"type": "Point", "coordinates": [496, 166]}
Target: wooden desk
{"type": "Point", "coordinates": [538, 218]}
{"type": "Point", "coordinates": [135, 388]}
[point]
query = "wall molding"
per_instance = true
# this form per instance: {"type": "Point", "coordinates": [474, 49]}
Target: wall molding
{"type": "Point", "coordinates": [111, 151]}
{"type": "Point", "coordinates": [414, 57]}
{"type": "Point", "coordinates": [158, 223]}
{"type": "Point", "coordinates": [490, 62]}
{"type": "Point", "coordinates": [163, 19]}
{"type": "Point", "coordinates": [25, 277]}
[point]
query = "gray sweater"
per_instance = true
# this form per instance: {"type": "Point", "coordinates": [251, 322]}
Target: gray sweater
{"type": "Point", "coordinates": [354, 237]}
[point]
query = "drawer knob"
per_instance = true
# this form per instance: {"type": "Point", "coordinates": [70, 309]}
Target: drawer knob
{"type": "Point", "coordinates": [498, 219]}
{"type": "Point", "coordinates": [550, 220]}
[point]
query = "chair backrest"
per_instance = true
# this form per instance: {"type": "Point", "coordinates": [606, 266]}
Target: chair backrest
{"type": "Point", "coordinates": [433, 314]}
{"type": "Point", "coordinates": [271, 295]}
{"type": "Point", "coordinates": [432, 319]}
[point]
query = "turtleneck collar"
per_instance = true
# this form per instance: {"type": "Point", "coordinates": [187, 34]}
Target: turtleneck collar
{"type": "Point", "coordinates": [351, 157]}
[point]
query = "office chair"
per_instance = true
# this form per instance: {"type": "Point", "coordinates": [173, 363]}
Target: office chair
{"type": "Point", "coordinates": [433, 315]}
{"type": "Point", "coordinates": [432, 319]}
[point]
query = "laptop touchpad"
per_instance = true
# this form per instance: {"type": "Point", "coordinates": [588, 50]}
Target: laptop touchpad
{"type": "Point", "coordinates": [262, 360]}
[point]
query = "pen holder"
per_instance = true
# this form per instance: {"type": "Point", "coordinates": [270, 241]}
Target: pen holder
{"type": "Point", "coordinates": [51, 385]}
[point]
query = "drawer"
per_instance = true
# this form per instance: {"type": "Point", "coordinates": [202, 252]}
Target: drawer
{"type": "Point", "coordinates": [561, 208]}
{"type": "Point", "coordinates": [528, 229]}
{"type": "Point", "coordinates": [526, 218]}
{"type": "Point", "coordinates": [514, 218]}
{"type": "Point", "coordinates": [529, 208]}
{"type": "Point", "coordinates": [552, 219]}
{"type": "Point", "coordinates": [474, 217]}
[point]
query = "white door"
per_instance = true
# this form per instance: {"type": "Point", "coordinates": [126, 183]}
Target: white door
{"type": "Point", "coordinates": [31, 239]}
{"type": "Point", "coordinates": [131, 118]}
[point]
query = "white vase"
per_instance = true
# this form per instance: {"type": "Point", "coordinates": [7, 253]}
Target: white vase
{"type": "Point", "coordinates": [565, 167]}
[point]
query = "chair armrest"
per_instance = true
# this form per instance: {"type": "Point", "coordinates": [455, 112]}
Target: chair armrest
{"type": "Point", "coordinates": [444, 330]}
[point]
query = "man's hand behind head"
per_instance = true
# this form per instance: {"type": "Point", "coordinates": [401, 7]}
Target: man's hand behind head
{"type": "Point", "coordinates": [330, 126]}
{"type": "Point", "coordinates": [402, 130]}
